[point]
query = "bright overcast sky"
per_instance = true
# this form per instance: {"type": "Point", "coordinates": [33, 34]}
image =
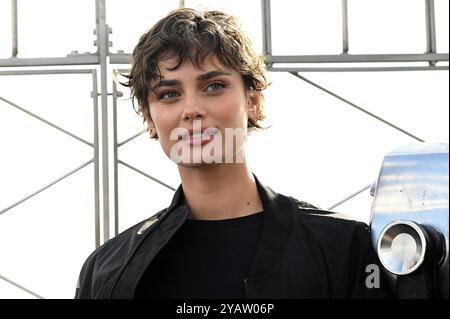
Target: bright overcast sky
{"type": "Point", "coordinates": [318, 149]}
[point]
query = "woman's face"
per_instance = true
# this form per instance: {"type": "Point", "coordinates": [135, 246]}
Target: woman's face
{"type": "Point", "coordinates": [189, 100]}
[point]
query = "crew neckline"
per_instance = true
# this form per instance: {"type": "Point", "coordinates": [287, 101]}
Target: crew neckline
{"type": "Point", "coordinates": [229, 224]}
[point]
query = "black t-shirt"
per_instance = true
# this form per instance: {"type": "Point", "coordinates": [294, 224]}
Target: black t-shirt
{"type": "Point", "coordinates": [204, 259]}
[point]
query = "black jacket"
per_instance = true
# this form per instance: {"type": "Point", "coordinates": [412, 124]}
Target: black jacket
{"type": "Point", "coordinates": [303, 252]}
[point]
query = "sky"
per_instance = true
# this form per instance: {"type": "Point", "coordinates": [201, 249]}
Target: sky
{"type": "Point", "coordinates": [318, 149]}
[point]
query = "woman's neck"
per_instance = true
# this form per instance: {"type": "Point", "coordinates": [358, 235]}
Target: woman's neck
{"type": "Point", "coordinates": [220, 192]}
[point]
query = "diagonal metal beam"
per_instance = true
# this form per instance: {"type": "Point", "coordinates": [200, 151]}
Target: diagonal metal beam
{"type": "Point", "coordinates": [21, 287]}
{"type": "Point", "coordinates": [358, 107]}
{"type": "Point", "coordinates": [46, 186]}
{"type": "Point", "coordinates": [130, 138]}
{"type": "Point", "coordinates": [146, 175]}
{"type": "Point", "coordinates": [349, 197]}
{"type": "Point", "coordinates": [46, 122]}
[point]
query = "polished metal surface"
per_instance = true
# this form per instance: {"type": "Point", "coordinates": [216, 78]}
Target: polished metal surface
{"type": "Point", "coordinates": [413, 187]}
{"type": "Point", "coordinates": [401, 247]}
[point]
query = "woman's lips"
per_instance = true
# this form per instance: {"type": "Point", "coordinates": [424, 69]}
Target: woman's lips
{"type": "Point", "coordinates": [200, 138]}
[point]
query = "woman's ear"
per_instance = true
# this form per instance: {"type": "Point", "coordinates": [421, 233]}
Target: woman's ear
{"type": "Point", "coordinates": [254, 104]}
{"type": "Point", "coordinates": [150, 124]}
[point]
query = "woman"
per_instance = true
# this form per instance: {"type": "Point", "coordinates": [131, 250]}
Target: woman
{"type": "Point", "coordinates": [198, 84]}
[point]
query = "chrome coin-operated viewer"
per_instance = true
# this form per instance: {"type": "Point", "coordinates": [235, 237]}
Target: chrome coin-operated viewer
{"type": "Point", "coordinates": [410, 220]}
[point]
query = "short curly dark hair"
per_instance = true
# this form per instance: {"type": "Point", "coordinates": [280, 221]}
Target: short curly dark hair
{"type": "Point", "coordinates": [190, 34]}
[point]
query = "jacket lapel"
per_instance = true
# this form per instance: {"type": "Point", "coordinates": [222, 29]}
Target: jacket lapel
{"type": "Point", "coordinates": [277, 230]}
{"type": "Point", "coordinates": [153, 240]}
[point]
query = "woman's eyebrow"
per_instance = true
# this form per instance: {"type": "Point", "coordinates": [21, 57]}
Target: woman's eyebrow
{"type": "Point", "coordinates": [211, 74]}
{"type": "Point", "coordinates": [201, 77]}
{"type": "Point", "coordinates": [163, 82]}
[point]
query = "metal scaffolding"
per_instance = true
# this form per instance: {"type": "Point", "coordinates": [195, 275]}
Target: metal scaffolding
{"type": "Point", "coordinates": [103, 59]}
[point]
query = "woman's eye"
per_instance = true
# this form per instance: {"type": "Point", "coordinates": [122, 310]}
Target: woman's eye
{"type": "Point", "coordinates": [215, 86]}
{"type": "Point", "coordinates": [167, 95]}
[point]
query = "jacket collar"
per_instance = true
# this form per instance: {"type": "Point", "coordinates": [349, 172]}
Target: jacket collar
{"type": "Point", "coordinates": [177, 199]}
{"type": "Point", "coordinates": [277, 230]}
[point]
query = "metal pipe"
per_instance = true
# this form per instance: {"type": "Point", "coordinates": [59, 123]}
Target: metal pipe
{"type": "Point", "coordinates": [430, 28]}
{"type": "Point", "coordinates": [45, 187]}
{"type": "Point", "coordinates": [15, 47]}
{"type": "Point", "coordinates": [266, 27]}
{"type": "Point", "coordinates": [120, 58]}
{"type": "Point", "coordinates": [21, 287]}
{"type": "Point", "coordinates": [96, 161]}
{"type": "Point", "coordinates": [349, 197]}
{"type": "Point", "coordinates": [78, 59]}
{"type": "Point", "coordinates": [344, 26]}
{"type": "Point", "coordinates": [45, 72]}
{"type": "Point", "coordinates": [125, 58]}
{"type": "Point", "coordinates": [355, 58]}
{"type": "Point", "coordinates": [116, 173]}
{"type": "Point", "coordinates": [46, 122]}
{"type": "Point", "coordinates": [146, 175]}
{"type": "Point", "coordinates": [358, 69]}
{"type": "Point", "coordinates": [102, 46]}
{"type": "Point", "coordinates": [357, 107]}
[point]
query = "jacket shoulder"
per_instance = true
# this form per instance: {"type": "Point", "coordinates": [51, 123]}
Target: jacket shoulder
{"type": "Point", "coordinates": [326, 227]}
{"type": "Point", "coordinates": [128, 235]}
{"type": "Point", "coordinates": [345, 247]}
{"type": "Point", "coordinates": [109, 258]}
{"type": "Point", "coordinates": [308, 208]}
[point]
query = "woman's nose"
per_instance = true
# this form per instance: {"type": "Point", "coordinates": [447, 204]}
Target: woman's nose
{"type": "Point", "coordinates": [193, 109]}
